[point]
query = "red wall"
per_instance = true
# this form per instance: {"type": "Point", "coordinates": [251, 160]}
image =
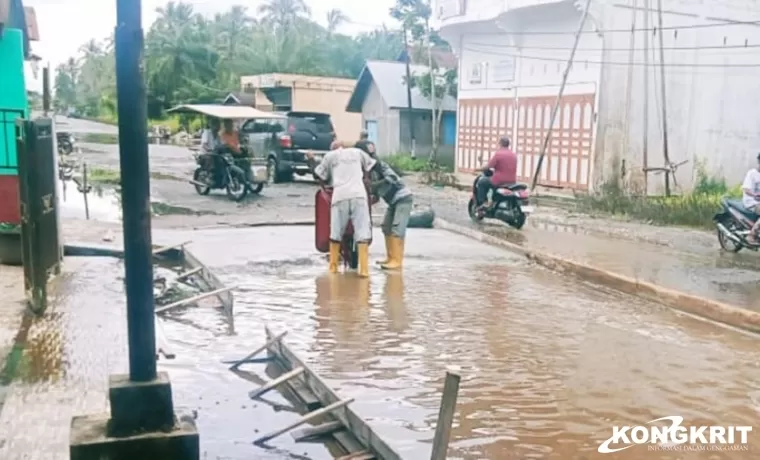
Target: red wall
{"type": "Point", "coordinates": [9, 200]}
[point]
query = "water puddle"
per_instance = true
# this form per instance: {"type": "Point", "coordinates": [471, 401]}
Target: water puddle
{"type": "Point", "coordinates": [549, 364]}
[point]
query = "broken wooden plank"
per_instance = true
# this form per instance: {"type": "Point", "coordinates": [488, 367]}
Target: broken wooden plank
{"type": "Point", "coordinates": [192, 299]}
{"type": "Point", "coordinates": [189, 273]}
{"type": "Point", "coordinates": [315, 432]}
{"type": "Point", "coordinates": [356, 427]}
{"type": "Point", "coordinates": [276, 382]}
{"type": "Point", "coordinates": [305, 419]}
{"type": "Point", "coordinates": [269, 343]}
{"type": "Point", "coordinates": [363, 455]}
{"type": "Point", "coordinates": [445, 417]}
{"type": "Point", "coordinates": [250, 361]}
{"type": "Point", "coordinates": [172, 246]}
{"type": "Point", "coordinates": [209, 281]}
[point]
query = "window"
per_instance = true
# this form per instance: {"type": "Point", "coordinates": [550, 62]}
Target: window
{"type": "Point", "coordinates": [256, 126]}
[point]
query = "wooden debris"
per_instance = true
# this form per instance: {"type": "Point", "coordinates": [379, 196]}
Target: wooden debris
{"type": "Point", "coordinates": [445, 417]}
{"type": "Point", "coordinates": [276, 382]}
{"type": "Point", "coordinates": [269, 343]}
{"type": "Point", "coordinates": [315, 432]}
{"type": "Point", "coordinates": [305, 419]}
{"type": "Point", "coordinates": [189, 273]}
{"type": "Point", "coordinates": [167, 248]}
{"type": "Point", "coordinates": [196, 298]}
{"type": "Point", "coordinates": [363, 455]}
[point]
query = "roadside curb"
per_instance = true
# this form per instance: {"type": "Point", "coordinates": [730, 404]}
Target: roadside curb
{"type": "Point", "coordinates": [699, 306]}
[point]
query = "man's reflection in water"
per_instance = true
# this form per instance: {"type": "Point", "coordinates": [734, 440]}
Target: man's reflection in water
{"type": "Point", "coordinates": [395, 303]}
{"type": "Point", "coordinates": [342, 314]}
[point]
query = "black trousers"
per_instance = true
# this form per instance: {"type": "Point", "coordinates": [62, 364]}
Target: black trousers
{"type": "Point", "coordinates": [482, 187]}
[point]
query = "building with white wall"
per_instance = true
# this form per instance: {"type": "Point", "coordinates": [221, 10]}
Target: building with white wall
{"type": "Point", "coordinates": [512, 58]}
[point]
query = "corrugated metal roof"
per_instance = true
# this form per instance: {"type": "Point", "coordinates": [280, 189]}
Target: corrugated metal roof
{"type": "Point", "coordinates": [390, 79]}
{"type": "Point", "coordinates": [232, 112]}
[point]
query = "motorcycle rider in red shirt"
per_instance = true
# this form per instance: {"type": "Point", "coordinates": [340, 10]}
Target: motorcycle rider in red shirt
{"type": "Point", "coordinates": [504, 166]}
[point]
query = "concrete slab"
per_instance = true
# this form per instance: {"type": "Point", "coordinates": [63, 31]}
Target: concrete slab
{"type": "Point", "coordinates": [89, 442]}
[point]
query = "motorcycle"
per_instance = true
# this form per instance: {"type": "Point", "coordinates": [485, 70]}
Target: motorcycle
{"type": "Point", "coordinates": [734, 223]}
{"type": "Point", "coordinates": [232, 178]}
{"type": "Point", "coordinates": [509, 204]}
{"type": "Point", "coordinates": [65, 143]}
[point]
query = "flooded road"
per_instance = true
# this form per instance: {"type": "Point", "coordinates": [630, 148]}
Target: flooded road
{"type": "Point", "coordinates": [549, 364]}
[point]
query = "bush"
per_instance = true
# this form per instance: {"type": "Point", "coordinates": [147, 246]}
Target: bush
{"type": "Point", "coordinates": [695, 209]}
{"type": "Point", "coordinates": [404, 163]}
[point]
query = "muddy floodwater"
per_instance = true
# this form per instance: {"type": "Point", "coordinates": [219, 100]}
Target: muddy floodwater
{"type": "Point", "coordinates": [549, 364]}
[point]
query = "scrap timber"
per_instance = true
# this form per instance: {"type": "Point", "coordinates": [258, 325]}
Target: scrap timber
{"type": "Point", "coordinates": [341, 422]}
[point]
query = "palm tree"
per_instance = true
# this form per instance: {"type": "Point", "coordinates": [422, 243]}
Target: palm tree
{"type": "Point", "coordinates": [335, 19]}
{"type": "Point", "coordinates": [284, 13]}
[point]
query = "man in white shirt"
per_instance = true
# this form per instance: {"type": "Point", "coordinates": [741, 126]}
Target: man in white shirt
{"type": "Point", "coordinates": [210, 136]}
{"type": "Point", "coordinates": [751, 197]}
{"type": "Point", "coordinates": [345, 169]}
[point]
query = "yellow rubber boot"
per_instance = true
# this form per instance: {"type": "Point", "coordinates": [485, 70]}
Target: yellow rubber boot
{"type": "Point", "coordinates": [388, 250]}
{"type": "Point", "coordinates": [334, 256]}
{"type": "Point", "coordinates": [363, 250]}
{"type": "Point", "coordinates": [397, 254]}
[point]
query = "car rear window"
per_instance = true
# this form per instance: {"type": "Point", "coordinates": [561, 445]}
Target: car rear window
{"type": "Point", "coordinates": [318, 124]}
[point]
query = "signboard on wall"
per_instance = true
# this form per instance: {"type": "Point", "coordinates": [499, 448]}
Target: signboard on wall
{"type": "Point", "coordinates": [476, 73]}
{"type": "Point", "coordinates": [504, 70]}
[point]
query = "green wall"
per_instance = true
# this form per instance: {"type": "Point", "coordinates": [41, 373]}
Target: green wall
{"type": "Point", "coordinates": [12, 96]}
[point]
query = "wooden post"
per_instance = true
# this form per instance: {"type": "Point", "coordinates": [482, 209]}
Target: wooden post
{"type": "Point", "coordinates": [665, 152]}
{"type": "Point", "coordinates": [445, 417]}
{"type": "Point", "coordinates": [182, 302]}
{"type": "Point", "coordinates": [558, 102]}
{"type": "Point", "coordinates": [85, 191]}
{"type": "Point", "coordinates": [305, 419]}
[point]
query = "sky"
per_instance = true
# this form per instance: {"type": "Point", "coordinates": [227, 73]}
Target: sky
{"type": "Point", "coordinates": [65, 25]}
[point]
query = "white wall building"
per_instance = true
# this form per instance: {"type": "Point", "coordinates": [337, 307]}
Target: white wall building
{"type": "Point", "coordinates": [512, 57]}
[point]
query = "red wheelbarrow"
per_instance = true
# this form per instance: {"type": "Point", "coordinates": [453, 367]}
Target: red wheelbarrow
{"type": "Point", "coordinates": [348, 252]}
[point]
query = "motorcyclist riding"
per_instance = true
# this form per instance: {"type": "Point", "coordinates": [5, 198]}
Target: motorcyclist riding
{"type": "Point", "coordinates": [504, 166]}
{"type": "Point", "coordinates": [230, 138]}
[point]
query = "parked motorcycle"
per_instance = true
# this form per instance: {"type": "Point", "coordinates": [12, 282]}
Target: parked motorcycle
{"type": "Point", "coordinates": [65, 143]}
{"type": "Point", "coordinates": [509, 204]}
{"type": "Point", "coordinates": [232, 178]}
{"type": "Point", "coordinates": [734, 223]}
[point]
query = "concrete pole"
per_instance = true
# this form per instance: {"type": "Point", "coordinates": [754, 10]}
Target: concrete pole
{"type": "Point", "coordinates": [135, 190]}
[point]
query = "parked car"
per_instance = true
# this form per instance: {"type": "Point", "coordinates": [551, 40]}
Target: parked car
{"type": "Point", "coordinates": [284, 142]}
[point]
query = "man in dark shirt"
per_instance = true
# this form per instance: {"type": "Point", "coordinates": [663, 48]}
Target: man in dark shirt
{"type": "Point", "coordinates": [504, 165]}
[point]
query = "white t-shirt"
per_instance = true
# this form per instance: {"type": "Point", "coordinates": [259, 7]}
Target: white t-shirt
{"type": "Point", "coordinates": [751, 182]}
{"type": "Point", "coordinates": [208, 141]}
{"type": "Point", "coordinates": [344, 169]}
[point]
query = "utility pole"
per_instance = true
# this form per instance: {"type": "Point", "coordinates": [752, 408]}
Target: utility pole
{"type": "Point", "coordinates": [433, 100]}
{"type": "Point", "coordinates": [557, 103]}
{"type": "Point", "coordinates": [665, 152]}
{"type": "Point", "coordinates": [135, 190]}
{"type": "Point", "coordinates": [46, 90]}
{"type": "Point", "coordinates": [410, 113]}
{"type": "Point", "coordinates": [645, 144]}
{"type": "Point", "coordinates": [629, 83]}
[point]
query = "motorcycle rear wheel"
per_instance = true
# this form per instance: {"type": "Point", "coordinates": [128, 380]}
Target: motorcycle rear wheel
{"type": "Point", "coordinates": [519, 221]}
{"type": "Point", "coordinates": [200, 175]}
{"type": "Point", "coordinates": [725, 242]}
{"type": "Point", "coordinates": [472, 210]}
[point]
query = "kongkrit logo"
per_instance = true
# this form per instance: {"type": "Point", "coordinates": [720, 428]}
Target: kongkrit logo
{"type": "Point", "coordinates": [675, 435]}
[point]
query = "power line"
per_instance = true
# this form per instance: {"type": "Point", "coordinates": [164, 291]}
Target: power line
{"type": "Point", "coordinates": [674, 48]}
{"type": "Point", "coordinates": [538, 58]}
{"type": "Point", "coordinates": [629, 30]}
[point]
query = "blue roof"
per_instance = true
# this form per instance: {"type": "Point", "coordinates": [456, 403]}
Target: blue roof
{"type": "Point", "coordinates": [390, 79]}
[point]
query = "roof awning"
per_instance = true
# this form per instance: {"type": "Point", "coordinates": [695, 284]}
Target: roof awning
{"type": "Point", "coordinates": [231, 112]}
